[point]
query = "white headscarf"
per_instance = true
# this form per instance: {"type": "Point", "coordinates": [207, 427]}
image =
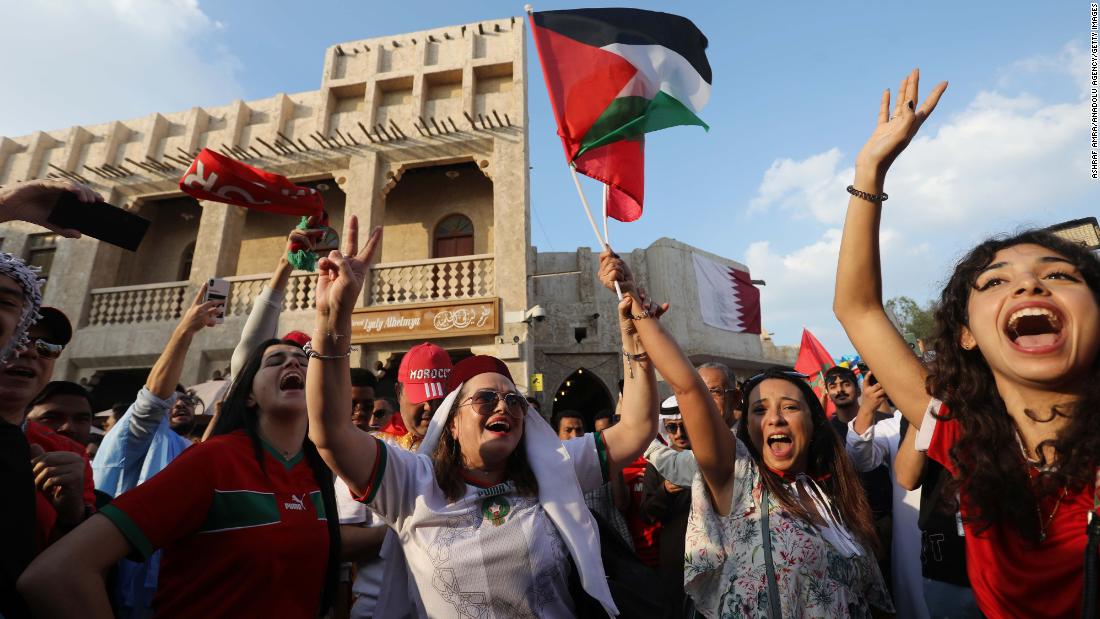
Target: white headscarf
{"type": "Point", "coordinates": [670, 411]}
{"type": "Point", "coordinates": [27, 277]}
{"type": "Point", "coordinates": [559, 494]}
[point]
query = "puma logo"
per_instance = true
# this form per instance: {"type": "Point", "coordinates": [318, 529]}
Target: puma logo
{"type": "Point", "coordinates": [297, 504]}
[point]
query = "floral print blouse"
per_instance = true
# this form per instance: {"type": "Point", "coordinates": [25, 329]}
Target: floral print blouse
{"type": "Point", "coordinates": [724, 569]}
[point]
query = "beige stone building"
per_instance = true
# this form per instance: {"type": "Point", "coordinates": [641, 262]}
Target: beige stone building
{"type": "Point", "coordinates": [424, 134]}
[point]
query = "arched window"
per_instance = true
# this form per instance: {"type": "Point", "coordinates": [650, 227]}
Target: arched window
{"type": "Point", "coordinates": [454, 236]}
{"type": "Point", "coordinates": [185, 262]}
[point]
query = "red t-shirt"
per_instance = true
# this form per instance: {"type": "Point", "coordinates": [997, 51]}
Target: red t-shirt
{"type": "Point", "coordinates": [644, 534]}
{"type": "Point", "coordinates": [45, 514]}
{"type": "Point", "coordinates": [238, 541]}
{"type": "Point", "coordinates": [1013, 577]}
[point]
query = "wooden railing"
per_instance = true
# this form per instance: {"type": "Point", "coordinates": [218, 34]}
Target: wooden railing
{"type": "Point", "coordinates": [415, 281]}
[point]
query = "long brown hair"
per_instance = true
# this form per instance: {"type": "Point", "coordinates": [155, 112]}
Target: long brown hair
{"type": "Point", "coordinates": [828, 462]}
{"type": "Point", "coordinates": [992, 474]}
{"type": "Point", "coordinates": [447, 462]}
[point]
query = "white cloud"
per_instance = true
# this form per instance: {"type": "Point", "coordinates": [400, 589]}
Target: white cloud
{"type": "Point", "coordinates": [1007, 160]}
{"type": "Point", "coordinates": [1004, 156]}
{"type": "Point", "coordinates": [89, 61]}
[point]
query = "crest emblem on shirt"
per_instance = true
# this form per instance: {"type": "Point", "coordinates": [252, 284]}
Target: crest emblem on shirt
{"type": "Point", "coordinates": [496, 509]}
{"type": "Point", "coordinates": [297, 503]}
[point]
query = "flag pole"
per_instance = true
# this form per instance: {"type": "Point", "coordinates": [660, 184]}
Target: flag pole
{"type": "Point", "coordinates": [591, 220]}
{"type": "Point", "coordinates": [607, 237]}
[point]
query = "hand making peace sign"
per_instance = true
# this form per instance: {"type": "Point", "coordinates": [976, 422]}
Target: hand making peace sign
{"type": "Point", "coordinates": [340, 276]}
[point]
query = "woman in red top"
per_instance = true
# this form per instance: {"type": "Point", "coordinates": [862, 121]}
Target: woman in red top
{"type": "Point", "coordinates": [247, 520]}
{"type": "Point", "coordinates": [1015, 388]}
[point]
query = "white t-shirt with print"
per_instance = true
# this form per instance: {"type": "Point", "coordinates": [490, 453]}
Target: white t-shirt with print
{"type": "Point", "coordinates": [492, 553]}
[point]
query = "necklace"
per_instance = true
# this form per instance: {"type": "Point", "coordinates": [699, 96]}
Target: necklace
{"type": "Point", "coordinates": [1039, 512]}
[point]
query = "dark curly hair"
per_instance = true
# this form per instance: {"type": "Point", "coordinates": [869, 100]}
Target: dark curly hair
{"type": "Point", "coordinates": [993, 476]}
{"type": "Point", "coordinates": [827, 459]}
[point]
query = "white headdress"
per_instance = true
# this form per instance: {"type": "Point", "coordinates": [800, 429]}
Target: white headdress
{"type": "Point", "coordinates": [559, 494]}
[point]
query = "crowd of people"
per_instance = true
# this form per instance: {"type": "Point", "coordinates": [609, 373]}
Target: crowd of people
{"type": "Point", "coordinates": [311, 494]}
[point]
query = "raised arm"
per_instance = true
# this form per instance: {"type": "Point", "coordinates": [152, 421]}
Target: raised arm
{"type": "Point", "coordinates": [122, 453]}
{"type": "Point", "coordinates": [909, 463]}
{"type": "Point", "coordinates": [711, 440]}
{"type": "Point", "coordinates": [858, 298]}
{"type": "Point", "coordinates": [347, 450]}
{"type": "Point", "coordinates": [638, 423]}
{"type": "Point", "coordinates": [263, 320]}
{"type": "Point", "coordinates": [33, 201]}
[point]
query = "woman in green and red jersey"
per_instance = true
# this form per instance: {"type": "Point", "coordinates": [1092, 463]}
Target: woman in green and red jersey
{"type": "Point", "coordinates": [242, 518]}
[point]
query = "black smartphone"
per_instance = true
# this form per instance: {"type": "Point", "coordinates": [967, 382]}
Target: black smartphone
{"type": "Point", "coordinates": [99, 220]}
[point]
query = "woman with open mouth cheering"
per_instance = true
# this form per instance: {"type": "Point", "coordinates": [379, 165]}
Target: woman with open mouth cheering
{"type": "Point", "coordinates": [492, 502]}
{"type": "Point", "coordinates": [779, 525]}
{"type": "Point", "coordinates": [1011, 406]}
{"type": "Point", "coordinates": [246, 520]}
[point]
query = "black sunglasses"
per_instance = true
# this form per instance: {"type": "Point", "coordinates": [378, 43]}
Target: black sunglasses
{"type": "Point", "coordinates": [674, 428]}
{"type": "Point", "coordinates": [45, 349]}
{"type": "Point", "coordinates": [485, 401]}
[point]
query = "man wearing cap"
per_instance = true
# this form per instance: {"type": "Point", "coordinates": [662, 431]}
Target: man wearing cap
{"type": "Point", "coordinates": [53, 468]}
{"type": "Point", "coordinates": [422, 379]}
{"type": "Point", "coordinates": [145, 440]}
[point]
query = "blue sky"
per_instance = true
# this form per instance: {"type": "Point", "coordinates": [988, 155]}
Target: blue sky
{"type": "Point", "coordinates": [795, 94]}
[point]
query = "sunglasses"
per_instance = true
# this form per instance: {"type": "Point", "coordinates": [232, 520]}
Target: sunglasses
{"type": "Point", "coordinates": [674, 428]}
{"type": "Point", "coordinates": [720, 392]}
{"type": "Point", "coordinates": [485, 402]}
{"type": "Point", "coordinates": [45, 349]}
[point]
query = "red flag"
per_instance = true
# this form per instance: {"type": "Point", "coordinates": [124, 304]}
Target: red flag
{"type": "Point", "coordinates": [218, 178]}
{"type": "Point", "coordinates": [621, 166]}
{"type": "Point", "coordinates": [813, 361]}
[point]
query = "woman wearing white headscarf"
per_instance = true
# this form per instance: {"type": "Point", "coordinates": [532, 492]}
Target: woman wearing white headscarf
{"type": "Point", "coordinates": [492, 503]}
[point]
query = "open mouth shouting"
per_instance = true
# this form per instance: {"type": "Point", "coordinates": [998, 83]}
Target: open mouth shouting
{"type": "Point", "coordinates": [1035, 328]}
{"type": "Point", "coordinates": [21, 371]}
{"type": "Point", "coordinates": [499, 425]}
{"type": "Point", "coordinates": [780, 445]}
{"type": "Point", "coordinates": [293, 380]}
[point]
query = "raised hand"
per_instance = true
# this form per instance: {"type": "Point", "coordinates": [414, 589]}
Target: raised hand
{"type": "Point", "coordinates": [200, 315]}
{"type": "Point", "coordinates": [893, 133]}
{"type": "Point", "coordinates": [340, 276]}
{"type": "Point", "coordinates": [614, 269]}
{"type": "Point", "coordinates": [32, 201]}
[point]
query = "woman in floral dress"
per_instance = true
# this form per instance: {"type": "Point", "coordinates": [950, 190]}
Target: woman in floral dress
{"type": "Point", "coordinates": [785, 461]}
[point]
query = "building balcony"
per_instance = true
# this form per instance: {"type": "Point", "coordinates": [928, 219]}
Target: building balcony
{"type": "Point", "coordinates": [395, 283]}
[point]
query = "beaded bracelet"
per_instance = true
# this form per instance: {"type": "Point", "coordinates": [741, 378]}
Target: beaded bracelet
{"type": "Point", "coordinates": [313, 354]}
{"type": "Point", "coordinates": [870, 197]}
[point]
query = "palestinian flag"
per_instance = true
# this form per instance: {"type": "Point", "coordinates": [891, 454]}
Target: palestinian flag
{"type": "Point", "coordinates": [613, 76]}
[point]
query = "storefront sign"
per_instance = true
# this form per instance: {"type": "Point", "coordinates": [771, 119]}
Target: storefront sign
{"type": "Point", "coordinates": [426, 321]}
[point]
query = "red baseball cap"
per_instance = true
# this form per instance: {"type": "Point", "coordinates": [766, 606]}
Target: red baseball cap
{"type": "Point", "coordinates": [297, 337]}
{"type": "Point", "coordinates": [423, 373]}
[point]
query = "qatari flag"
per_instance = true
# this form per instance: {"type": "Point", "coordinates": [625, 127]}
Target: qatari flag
{"type": "Point", "coordinates": [727, 298]}
{"type": "Point", "coordinates": [218, 178]}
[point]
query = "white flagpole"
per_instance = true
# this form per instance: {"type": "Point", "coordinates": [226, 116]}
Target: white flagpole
{"type": "Point", "coordinates": [591, 220]}
{"type": "Point", "coordinates": [607, 237]}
